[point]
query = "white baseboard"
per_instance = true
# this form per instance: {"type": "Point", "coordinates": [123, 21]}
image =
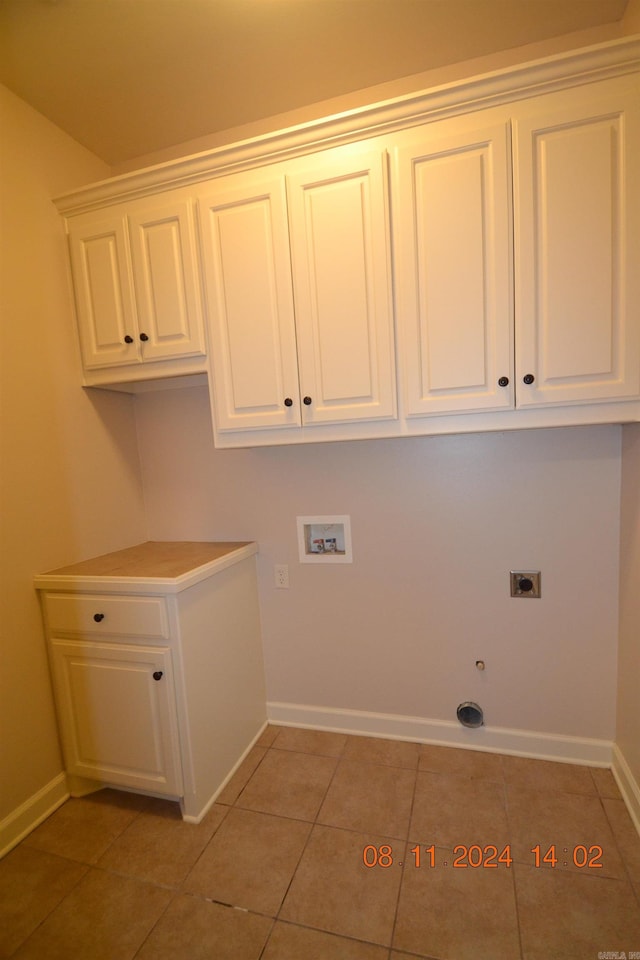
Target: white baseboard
{"type": "Point", "coordinates": [521, 743]}
{"type": "Point", "coordinates": [629, 787]}
{"type": "Point", "coordinates": [201, 813]}
{"type": "Point", "coordinates": [32, 812]}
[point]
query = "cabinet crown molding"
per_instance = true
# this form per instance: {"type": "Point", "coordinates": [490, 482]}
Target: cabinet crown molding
{"type": "Point", "coordinates": [565, 70]}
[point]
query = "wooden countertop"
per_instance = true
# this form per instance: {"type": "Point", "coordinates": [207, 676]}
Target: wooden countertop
{"type": "Point", "coordinates": [173, 565]}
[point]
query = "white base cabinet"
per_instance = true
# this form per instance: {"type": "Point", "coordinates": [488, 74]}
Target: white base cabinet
{"type": "Point", "coordinates": [118, 715]}
{"type": "Point", "coordinates": [158, 679]}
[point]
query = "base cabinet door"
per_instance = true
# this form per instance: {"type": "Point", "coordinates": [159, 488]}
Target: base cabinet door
{"type": "Point", "coordinates": [577, 243]}
{"type": "Point", "coordinates": [117, 710]}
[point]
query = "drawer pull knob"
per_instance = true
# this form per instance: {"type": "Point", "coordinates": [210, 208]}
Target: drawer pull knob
{"type": "Point", "coordinates": [128, 339]}
{"type": "Point", "coordinates": [503, 382]}
{"type": "Point", "coordinates": [144, 337]}
{"type": "Point", "coordinates": [307, 401]}
{"type": "Point", "coordinates": [528, 378]}
{"type": "Point", "coordinates": [157, 675]}
{"type": "Point", "coordinates": [98, 617]}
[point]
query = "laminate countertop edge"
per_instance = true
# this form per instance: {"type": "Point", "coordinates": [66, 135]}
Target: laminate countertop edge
{"type": "Point", "coordinates": [120, 583]}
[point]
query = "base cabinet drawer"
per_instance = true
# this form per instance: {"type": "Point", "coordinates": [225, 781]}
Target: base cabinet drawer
{"type": "Point", "coordinates": [107, 616]}
{"type": "Point", "coordinates": [117, 710]}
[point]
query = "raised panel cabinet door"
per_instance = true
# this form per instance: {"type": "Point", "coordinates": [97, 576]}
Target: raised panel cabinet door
{"type": "Point", "coordinates": [339, 234]}
{"type": "Point", "coordinates": [117, 711]}
{"type": "Point", "coordinates": [247, 272]}
{"type": "Point", "coordinates": [577, 230]}
{"type": "Point", "coordinates": [104, 290]}
{"type": "Point", "coordinates": [452, 246]}
{"type": "Point", "coordinates": [166, 279]}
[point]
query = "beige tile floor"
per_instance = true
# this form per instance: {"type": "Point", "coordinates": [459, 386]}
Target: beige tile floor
{"type": "Point", "coordinates": [276, 870]}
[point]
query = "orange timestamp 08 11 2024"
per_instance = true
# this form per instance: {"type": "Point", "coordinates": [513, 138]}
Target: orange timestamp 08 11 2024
{"type": "Point", "coordinates": [488, 856]}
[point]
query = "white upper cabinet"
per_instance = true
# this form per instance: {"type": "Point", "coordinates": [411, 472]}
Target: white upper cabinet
{"type": "Point", "coordinates": [531, 308]}
{"type": "Point", "coordinates": [342, 285]}
{"type": "Point", "coordinates": [166, 279]}
{"type": "Point", "coordinates": [137, 284]}
{"type": "Point", "coordinates": [247, 272]}
{"type": "Point", "coordinates": [296, 268]}
{"type": "Point", "coordinates": [577, 206]}
{"type": "Point", "coordinates": [452, 261]}
{"type": "Point", "coordinates": [507, 205]}
{"type": "Point", "coordinates": [104, 290]}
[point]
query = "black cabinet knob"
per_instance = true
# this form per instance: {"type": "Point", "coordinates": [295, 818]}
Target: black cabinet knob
{"type": "Point", "coordinates": [128, 339]}
{"type": "Point", "coordinates": [144, 337]}
{"type": "Point", "coordinates": [98, 617]}
{"type": "Point", "coordinates": [528, 378]}
{"type": "Point", "coordinates": [525, 584]}
{"type": "Point", "coordinates": [157, 675]}
{"type": "Point", "coordinates": [307, 401]}
{"type": "Point", "coordinates": [503, 382]}
{"type": "Point", "coordinates": [288, 402]}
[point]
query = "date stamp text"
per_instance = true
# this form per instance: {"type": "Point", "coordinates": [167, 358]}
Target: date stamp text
{"type": "Point", "coordinates": [474, 856]}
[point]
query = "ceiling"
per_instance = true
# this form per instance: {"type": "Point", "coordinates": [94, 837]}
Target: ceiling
{"type": "Point", "coordinates": [129, 77]}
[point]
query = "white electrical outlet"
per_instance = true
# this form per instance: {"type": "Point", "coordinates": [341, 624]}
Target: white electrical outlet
{"type": "Point", "coordinates": [281, 573]}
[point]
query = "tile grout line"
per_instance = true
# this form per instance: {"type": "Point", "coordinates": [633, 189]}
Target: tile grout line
{"type": "Point", "coordinates": [229, 807]}
{"type": "Point", "coordinates": [406, 850]}
{"type": "Point", "coordinates": [176, 893]}
{"type": "Point", "coordinates": [313, 823]}
{"type": "Point", "coordinates": [58, 904]}
{"type": "Point", "coordinates": [83, 863]}
{"type": "Point", "coordinates": [339, 758]}
{"type": "Point", "coordinates": [513, 865]}
{"type": "Point", "coordinates": [618, 845]}
{"type": "Point", "coordinates": [268, 938]}
{"type": "Point", "coordinates": [201, 854]}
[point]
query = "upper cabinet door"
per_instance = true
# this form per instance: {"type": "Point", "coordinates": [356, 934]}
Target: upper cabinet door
{"type": "Point", "coordinates": [452, 245]}
{"type": "Point", "coordinates": [577, 189]}
{"type": "Point", "coordinates": [338, 216]}
{"type": "Point", "coordinates": [247, 272]}
{"type": "Point", "coordinates": [104, 291]}
{"type": "Point", "coordinates": [165, 271]}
